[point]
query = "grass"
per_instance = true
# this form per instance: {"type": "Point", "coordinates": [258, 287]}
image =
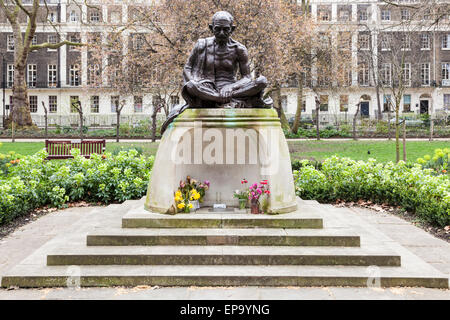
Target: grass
{"type": "Point", "coordinates": [383, 151]}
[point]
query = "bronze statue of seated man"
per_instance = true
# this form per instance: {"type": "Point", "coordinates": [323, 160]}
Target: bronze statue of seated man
{"type": "Point", "coordinates": [210, 73]}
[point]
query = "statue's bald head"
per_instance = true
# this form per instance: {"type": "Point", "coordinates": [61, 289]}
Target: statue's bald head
{"type": "Point", "coordinates": [222, 16]}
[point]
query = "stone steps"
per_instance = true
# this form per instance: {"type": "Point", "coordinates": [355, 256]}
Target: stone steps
{"type": "Point", "coordinates": [238, 237]}
{"type": "Point", "coordinates": [108, 248]}
{"type": "Point", "coordinates": [217, 220]}
{"type": "Point", "coordinates": [221, 255]}
{"type": "Point", "coordinates": [100, 276]}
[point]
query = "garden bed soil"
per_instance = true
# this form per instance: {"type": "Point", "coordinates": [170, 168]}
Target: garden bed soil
{"type": "Point", "coordinates": [438, 232]}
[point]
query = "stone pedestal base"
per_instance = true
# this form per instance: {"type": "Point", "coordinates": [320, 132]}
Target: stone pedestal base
{"type": "Point", "coordinates": [223, 146]}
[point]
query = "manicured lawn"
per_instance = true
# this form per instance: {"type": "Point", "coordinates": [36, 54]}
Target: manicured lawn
{"type": "Point", "coordinates": [314, 150]}
{"type": "Point", "coordinates": [383, 151]}
{"type": "Point", "coordinates": [27, 148]}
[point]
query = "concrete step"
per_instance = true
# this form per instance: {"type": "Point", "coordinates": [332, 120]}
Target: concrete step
{"type": "Point", "coordinates": [140, 218]}
{"type": "Point", "coordinates": [304, 276]}
{"type": "Point", "coordinates": [220, 255]}
{"type": "Point", "coordinates": [236, 237]}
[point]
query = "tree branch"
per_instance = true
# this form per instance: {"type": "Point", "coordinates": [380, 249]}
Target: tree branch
{"type": "Point", "coordinates": [55, 45]}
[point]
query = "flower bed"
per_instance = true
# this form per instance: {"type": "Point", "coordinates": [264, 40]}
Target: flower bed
{"type": "Point", "coordinates": [412, 187]}
{"type": "Point", "coordinates": [34, 182]}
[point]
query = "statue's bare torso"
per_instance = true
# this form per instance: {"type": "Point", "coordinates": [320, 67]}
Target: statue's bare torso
{"type": "Point", "coordinates": [210, 73]}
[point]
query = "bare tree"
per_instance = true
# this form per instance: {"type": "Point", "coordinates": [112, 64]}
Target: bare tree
{"type": "Point", "coordinates": [23, 46]}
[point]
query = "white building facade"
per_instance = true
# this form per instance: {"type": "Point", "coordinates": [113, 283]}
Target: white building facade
{"type": "Point", "coordinates": [55, 77]}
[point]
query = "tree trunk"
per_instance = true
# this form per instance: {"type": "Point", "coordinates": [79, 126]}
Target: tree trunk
{"type": "Point", "coordinates": [20, 110]}
{"type": "Point", "coordinates": [389, 123]}
{"type": "Point", "coordinates": [46, 126]}
{"type": "Point", "coordinates": [404, 140]}
{"type": "Point", "coordinates": [379, 115]}
{"type": "Point", "coordinates": [281, 115]}
{"type": "Point", "coordinates": [397, 133]}
{"type": "Point", "coordinates": [431, 128]}
{"type": "Point", "coordinates": [154, 125]}
{"type": "Point", "coordinates": [318, 122]}
{"type": "Point", "coordinates": [81, 124]}
{"type": "Point", "coordinates": [117, 125]}
{"type": "Point", "coordinates": [354, 121]}
{"type": "Point", "coordinates": [298, 113]}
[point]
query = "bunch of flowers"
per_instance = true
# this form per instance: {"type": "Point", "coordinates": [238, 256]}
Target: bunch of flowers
{"type": "Point", "coordinates": [182, 202]}
{"type": "Point", "coordinates": [242, 194]}
{"type": "Point", "coordinates": [255, 191]}
{"type": "Point", "coordinates": [190, 190]}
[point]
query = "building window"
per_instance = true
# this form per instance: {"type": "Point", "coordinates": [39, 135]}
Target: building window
{"type": "Point", "coordinates": [74, 16]}
{"type": "Point", "coordinates": [284, 103]}
{"type": "Point", "coordinates": [95, 16]}
{"type": "Point", "coordinates": [363, 15]}
{"type": "Point", "coordinates": [32, 75]}
{"type": "Point", "coordinates": [138, 41]}
{"type": "Point", "coordinates": [34, 40]}
{"type": "Point", "coordinates": [52, 76]}
{"type": "Point", "coordinates": [33, 104]}
{"type": "Point", "coordinates": [115, 17]}
{"type": "Point", "coordinates": [52, 17]}
{"type": "Point", "coordinates": [406, 42]}
{"type": "Point", "coordinates": [406, 73]}
{"type": "Point", "coordinates": [445, 71]}
{"type": "Point", "coordinates": [95, 107]}
{"type": "Point", "coordinates": [405, 14]}
{"type": "Point", "coordinates": [74, 102]}
{"type": "Point", "coordinates": [74, 75]}
{"type": "Point", "coordinates": [52, 39]}
{"type": "Point", "coordinates": [387, 103]}
{"type": "Point", "coordinates": [138, 103]}
{"type": "Point", "coordinates": [75, 39]}
{"type": "Point", "coordinates": [364, 74]}
{"type": "Point", "coordinates": [425, 41]}
{"type": "Point", "coordinates": [406, 103]}
{"type": "Point", "coordinates": [364, 42]}
{"type": "Point", "coordinates": [324, 15]}
{"type": "Point", "coordinates": [446, 42]}
{"type": "Point", "coordinates": [385, 43]}
{"type": "Point", "coordinates": [386, 74]}
{"type": "Point", "coordinates": [343, 103]}
{"type": "Point", "coordinates": [344, 15]}
{"type": "Point", "coordinates": [52, 104]}
{"type": "Point", "coordinates": [425, 74]}
{"type": "Point", "coordinates": [446, 101]}
{"type": "Point", "coordinates": [94, 73]}
{"type": "Point", "coordinates": [10, 43]}
{"type": "Point", "coordinates": [174, 101]}
{"type": "Point", "coordinates": [323, 103]}
{"type": "Point", "coordinates": [10, 75]}
{"type": "Point", "coordinates": [385, 15]}
{"type": "Point", "coordinates": [114, 104]}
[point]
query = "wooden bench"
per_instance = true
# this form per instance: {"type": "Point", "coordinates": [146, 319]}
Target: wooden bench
{"type": "Point", "coordinates": [61, 149]}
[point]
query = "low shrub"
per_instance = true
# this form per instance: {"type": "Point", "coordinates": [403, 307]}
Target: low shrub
{"type": "Point", "coordinates": [439, 162]}
{"type": "Point", "coordinates": [415, 189]}
{"type": "Point", "coordinates": [35, 182]}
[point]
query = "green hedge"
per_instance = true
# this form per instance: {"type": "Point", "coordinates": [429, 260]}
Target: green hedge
{"type": "Point", "coordinates": [416, 189]}
{"type": "Point", "coordinates": [34, 182]}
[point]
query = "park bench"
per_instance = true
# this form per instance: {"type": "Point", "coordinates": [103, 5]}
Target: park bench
{"type": "Point", "coordinates": [59, 149]}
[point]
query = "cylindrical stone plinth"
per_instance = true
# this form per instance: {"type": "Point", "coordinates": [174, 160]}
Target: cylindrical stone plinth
{"type": "Point", "coordinates": [223, 146]}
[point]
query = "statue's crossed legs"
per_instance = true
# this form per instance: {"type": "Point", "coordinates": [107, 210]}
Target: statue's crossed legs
{"type": "Point", "coordinates": [249, 92]}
